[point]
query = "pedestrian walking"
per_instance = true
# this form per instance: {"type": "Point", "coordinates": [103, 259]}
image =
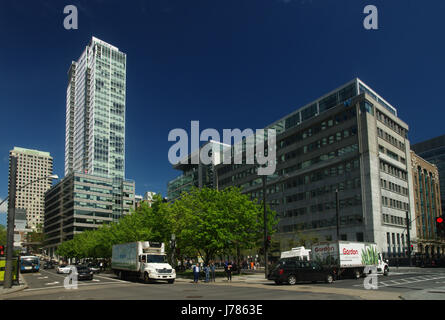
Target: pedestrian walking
{"type": "Point", "coordinates": [229, 271]}
{"type": "Point", "coordinates": [213, 271]}
{"type": "Point", "coordinates": [196, 270]}
{"type": "Point", "coordinates": [207, 272]}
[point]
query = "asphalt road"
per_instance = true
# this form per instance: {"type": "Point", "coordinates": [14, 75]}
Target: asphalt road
{"type": "Point", "coordinates": [48, 285]}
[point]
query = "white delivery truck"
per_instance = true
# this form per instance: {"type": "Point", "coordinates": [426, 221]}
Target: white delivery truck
{"type": "Point", "coordinates": [349, 258]}
{"type": "Point", "coordinates": [144, 259]}
{"type": "Point", "coordinates": [300, 253]}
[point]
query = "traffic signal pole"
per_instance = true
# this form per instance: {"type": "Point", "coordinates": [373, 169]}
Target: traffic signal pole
{"type": "Point", "coordinates": [266, 262]}
{"type": "Point", "coordinates": [11, 218]}
{"type": "Point", "coordinates": [408, 238]}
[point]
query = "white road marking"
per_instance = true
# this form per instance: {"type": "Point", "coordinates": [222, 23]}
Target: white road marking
{"type": "Point", "coordinates": [43, 277]}
{"type": "Point", "coordinates": [113, 279]}
{"type": "Point", "coordinates": [96, 280]}
{"type": "Point", "coordinates": [79, 284]}
{"type": "Point", "coordinates": [52, 283]}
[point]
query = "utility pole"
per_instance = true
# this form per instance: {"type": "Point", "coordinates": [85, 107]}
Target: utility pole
{"type": "Point", "coordinates": [408, 238]}
{"type": "Point", "coordinates": [11, 221]}
{"type": "Point", "coordinates": [266, 262]}
{"type": "Point", "coordinates": [337, 210]}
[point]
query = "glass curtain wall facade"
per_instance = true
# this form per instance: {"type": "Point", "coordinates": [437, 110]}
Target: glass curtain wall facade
{"type": "Point", "coordinates": [95, 129]}
{"type": "Point", "coordinates": [95, 118]}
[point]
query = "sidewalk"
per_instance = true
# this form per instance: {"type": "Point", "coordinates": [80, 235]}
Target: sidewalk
{"type": "Point", "coordinates": [15, 288]}
{"type": "Point", "coordinates": [257, 278]}
{"type": "Point", "coordinates": [415, 269]}
{"type": "Point", "coordinates": [428, 294]}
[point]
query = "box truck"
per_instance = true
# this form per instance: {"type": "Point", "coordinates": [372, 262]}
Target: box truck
{"type": "Point", "coordinates": [145, 260]}
{"type": "Point", "coordinates": [348, 258]}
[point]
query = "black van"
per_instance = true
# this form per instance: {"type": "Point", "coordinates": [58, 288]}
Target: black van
{"type": "Point", "coordinates": [292, 271]}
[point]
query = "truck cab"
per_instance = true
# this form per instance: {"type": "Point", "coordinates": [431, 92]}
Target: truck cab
{"type": "Point", "coordinates": [382, 266]}
{"type": "Point", "coordinates": [154, 266]}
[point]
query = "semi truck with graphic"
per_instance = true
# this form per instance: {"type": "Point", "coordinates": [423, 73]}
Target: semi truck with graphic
{"type": "Point", "coordinates": [350, 259]}
{"type": "Point", "coordinates": [145, 260]}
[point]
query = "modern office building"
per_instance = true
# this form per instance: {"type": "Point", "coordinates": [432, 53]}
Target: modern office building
{"type": "Point", "coordinates": [95, 112]}
{"type": "Point", "coordinates": [198, 175]}
{"type": "Point", "coordinates": [32, 165]}
{"type": "Point", "coordinates": [349, 140]}
{"type": "Point", "coordinates": [427, 205]}
{"type": "Point", "coordinates": [433, 151]}
{"type": "Point", "coordinates": [95, 115]}
{"type": "Point", "coordinates": [81, 202]}
{"type": "Point", "coordinates": [94, 146]}
{"type": "Point", "coordinates": [147, 198]}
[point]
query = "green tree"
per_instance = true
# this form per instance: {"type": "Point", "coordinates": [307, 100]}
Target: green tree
{"type": "Point", "coordinates": [145, 223]}
{"type": "Point", "coordinates": [215, 222]}
{"type": "Point", "coordinates": [2, 235]}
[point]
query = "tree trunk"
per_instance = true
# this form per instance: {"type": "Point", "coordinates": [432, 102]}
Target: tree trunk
{"type": "Point", "coordinates": [238, 253]}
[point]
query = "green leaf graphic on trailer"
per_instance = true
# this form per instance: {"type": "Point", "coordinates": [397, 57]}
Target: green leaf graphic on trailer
{"type": "Point", "coordinates": [369, 256]}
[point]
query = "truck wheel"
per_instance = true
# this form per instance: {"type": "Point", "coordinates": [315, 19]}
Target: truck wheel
{"type": "Point", "coordinates": [292, 279]}
{"type": "Point", "coordinates": [329, 278]}
{"type": "Point", "coordinates": [171, 281]}
{"type": "Point", "coordinates": [356, 274]}
{"type": "Point", "coordinates": [146, 277]}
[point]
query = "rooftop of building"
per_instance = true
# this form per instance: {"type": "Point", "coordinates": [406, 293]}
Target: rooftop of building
{"type": "Point", "coordinates": [31, 152]}
{"type": "Point", "coordinates": [313, 109]}
{"type": "Point", "coordinates": [429, 145]}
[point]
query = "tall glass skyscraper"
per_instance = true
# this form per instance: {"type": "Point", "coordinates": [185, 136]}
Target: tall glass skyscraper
{"type": "Point", "coordinates": [95, 119]}
{"type": "Point", "coordinates": [95, 112]}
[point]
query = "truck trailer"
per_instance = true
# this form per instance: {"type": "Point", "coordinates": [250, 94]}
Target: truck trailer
{"type": "Point", "coordinates": [145, 260]}
{"type": "Point", "coordinates": [349, 259]}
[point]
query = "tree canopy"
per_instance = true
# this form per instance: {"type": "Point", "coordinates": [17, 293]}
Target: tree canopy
{"type": "Point", "coordinates": [206, 222]}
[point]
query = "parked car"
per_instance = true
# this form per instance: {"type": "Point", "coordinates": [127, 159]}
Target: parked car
{"type": "Point", "coordinates": [291, 271]}
{"type": "Point", "coordinates": [84, 273]}
{"type": "Point", "coordinates": [64, 268]}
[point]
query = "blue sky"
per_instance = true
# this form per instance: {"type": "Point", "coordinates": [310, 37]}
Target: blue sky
{"type": "Point", "coordinates": [227, 63]}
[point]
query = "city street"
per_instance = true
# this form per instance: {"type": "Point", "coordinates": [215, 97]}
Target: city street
{"type": "Point", "coordinates": [405, 283]}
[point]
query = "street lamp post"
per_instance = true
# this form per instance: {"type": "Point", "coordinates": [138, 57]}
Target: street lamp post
{"type": "Point", "coordinates": [11, 218]}
{"type": "Point", "coordinates": [266, 260]}
{"type": "Point", "coordinates": [173, 245]}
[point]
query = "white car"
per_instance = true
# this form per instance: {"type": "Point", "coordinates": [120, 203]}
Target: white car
{"type": "Point", "coordinates": [64, 269]}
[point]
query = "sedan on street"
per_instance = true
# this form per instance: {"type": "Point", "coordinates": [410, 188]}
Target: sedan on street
{"type": "Point", "coordinates": [84, 273]}
{"type": "Point", "coordinates": [65, 268]}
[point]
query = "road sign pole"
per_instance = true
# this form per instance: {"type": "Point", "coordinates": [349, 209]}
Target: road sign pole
{"type": "Point", "coordinates": [11, 218]}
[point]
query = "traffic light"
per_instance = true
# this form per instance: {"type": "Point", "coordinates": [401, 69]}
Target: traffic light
{"type": "Point", "coordinates": [440, 227]}
{"type": "Point", "coordinates": [2, 251]}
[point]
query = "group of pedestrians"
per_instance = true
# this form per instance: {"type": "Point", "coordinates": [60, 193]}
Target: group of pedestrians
{"type": "Point", "coordinates": [209, 271]}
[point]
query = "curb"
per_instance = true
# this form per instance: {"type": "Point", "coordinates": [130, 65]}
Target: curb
{"type": "Point", "coordinates": [22, 286]}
